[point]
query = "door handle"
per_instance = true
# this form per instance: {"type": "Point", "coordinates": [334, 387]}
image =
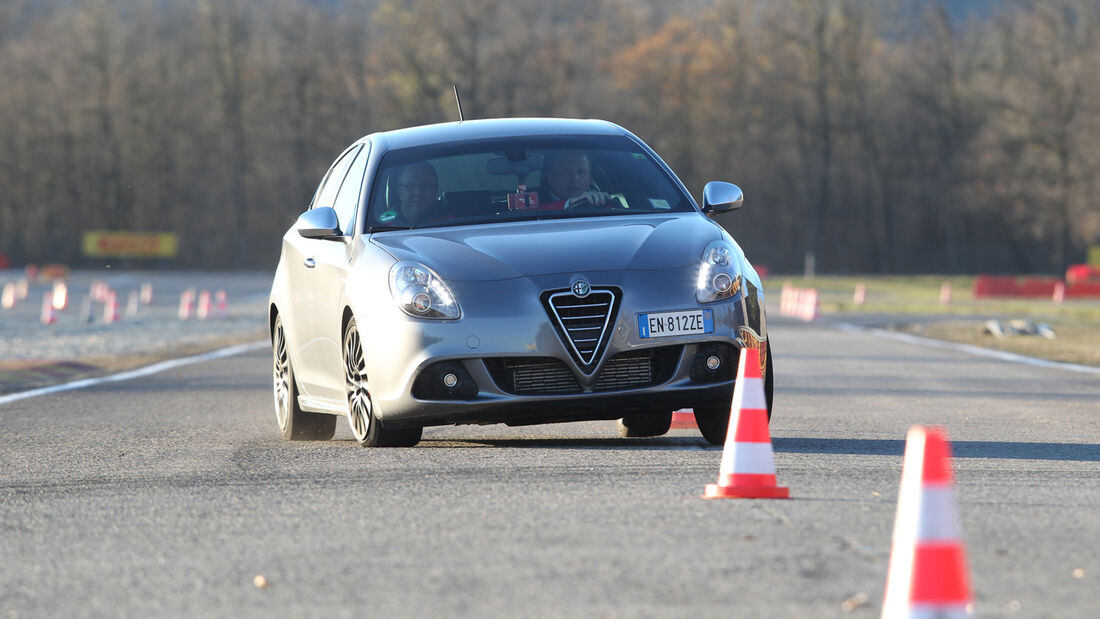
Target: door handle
{"type": "Point", "coordinates": [310, 263]}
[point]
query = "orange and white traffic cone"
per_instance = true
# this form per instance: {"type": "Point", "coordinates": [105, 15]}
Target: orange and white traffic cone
{"type": "Point", "coordinates": [203, 311]}
{"type": "Point", "coordinates": [860, 296]}
{"type": "Point", "coordinates": [683, 419]}
{"type": "Point", "coordinates": [221, 304]}
{"type": "Point", "coordinates": [60, 295]}
{"type": "Point", "coordinates": [928, 575]}
{"type": "Point", "coordinates": [187, 303]}
{"type": "Point", "coordinates": [7, 297]}
{"type": "Point", "coordinates": [110, 307]}
{"type": "Point", "coordinates": [49, 314]}
{"type": "Point", "coordinates": [748, 465]}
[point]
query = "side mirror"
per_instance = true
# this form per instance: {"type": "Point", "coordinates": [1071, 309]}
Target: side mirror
{"type": "Point", "coordinates": [720, 197]}
{"type": "Point", "coordinates": [318, 223]}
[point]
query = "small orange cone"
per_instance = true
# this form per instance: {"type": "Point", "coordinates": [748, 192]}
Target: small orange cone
{"type": "Point", "coordinates": [49, 314]}
{"type": "Point", "coordinates": [928, 575]}
{"type": "Point", "coordinates": [7, 297]}
{"type": "Point", "coordinates": [221, 304]}
{"type": "Point", "coordinates": [60, 295]}
{"type": "Point", "coordinates": [110, 307]}
{"type": "Point", "coordinates": [748, 465]}
{"type": "Point", "coordinates": [203, 310]}
{"type": "Point", "coordinates": [187, 303]}
{"type": "Point", "coordinates": [683, 419]}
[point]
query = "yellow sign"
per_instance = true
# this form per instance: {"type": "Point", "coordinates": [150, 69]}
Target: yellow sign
{"type": "Point", "coordinates": [106, 244]}
{"type": "Point", "coordinates": [1094, 255]}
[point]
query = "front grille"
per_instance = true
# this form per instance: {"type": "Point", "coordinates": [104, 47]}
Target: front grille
{"type": "Point", "coordinates": [583, 322]}
{"type": "Point", "coordinates": [532, 376]}
{"type": "Point", "coordinates": [643, 368]}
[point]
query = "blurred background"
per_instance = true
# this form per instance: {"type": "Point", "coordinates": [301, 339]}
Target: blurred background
{"type": "Point", "coordinates": [897, 136]}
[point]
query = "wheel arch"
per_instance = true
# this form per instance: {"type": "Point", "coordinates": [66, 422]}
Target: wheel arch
{"type": "Point", "coordinates": [272, 314]}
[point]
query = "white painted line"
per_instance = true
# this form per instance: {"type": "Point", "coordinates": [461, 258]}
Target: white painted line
{"type": "Point", "coordinates": [130, 374]}
{"type": "Point", "coordinates": [968, 348]}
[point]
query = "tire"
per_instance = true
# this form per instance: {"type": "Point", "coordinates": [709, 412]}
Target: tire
{"type": "Point", "coordinates": [713, 418]}
{"type": "Point", "coordinates": [294, 423]}
{"type": "Point", "coordinates": [645, 424]}
{"type": "Point", "coordinates": [368, 431]}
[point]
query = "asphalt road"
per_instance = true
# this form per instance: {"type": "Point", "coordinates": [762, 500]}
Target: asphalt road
{"type": "Point", "coordinates": [167, 495]}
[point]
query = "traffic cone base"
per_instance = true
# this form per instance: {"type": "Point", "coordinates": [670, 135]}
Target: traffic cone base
{"type": "Point", "coordinates": [716, 491]}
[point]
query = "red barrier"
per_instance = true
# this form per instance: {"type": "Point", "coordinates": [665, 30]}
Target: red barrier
{"type": "Point", "coordinates": [1036, 287]}
{"type": "Point", "coordinates": [1033, 287]}
{"type": "Point", "coordinates": [994, 286]}
{"type": "Point", "coordinates": [1084, 291]}
{"type": "Point", "coordinates": [1082, 274]}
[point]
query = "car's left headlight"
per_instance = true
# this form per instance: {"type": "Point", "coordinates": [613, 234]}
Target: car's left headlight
{"type": "Point", "coordinates": [421, 293]}
{"type": "Point", "coordinates": [719, 277]}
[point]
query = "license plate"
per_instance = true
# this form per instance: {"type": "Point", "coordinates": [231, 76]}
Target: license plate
{"type": "Point", "coordinates": [664, 324]}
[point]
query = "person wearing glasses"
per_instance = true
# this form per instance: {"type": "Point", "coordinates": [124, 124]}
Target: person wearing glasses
{"type": "Point", "coordinates": [417, 193]}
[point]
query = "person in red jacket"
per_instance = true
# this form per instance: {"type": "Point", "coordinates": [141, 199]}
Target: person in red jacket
{"type": "Point", "coordinates": [567, 183]}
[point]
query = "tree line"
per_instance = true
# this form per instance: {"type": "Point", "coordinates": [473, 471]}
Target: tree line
{"type": "Point", "coordinates": [878, 137]}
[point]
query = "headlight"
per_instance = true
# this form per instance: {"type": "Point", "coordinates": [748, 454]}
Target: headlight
{"type": "Point", "coordinates": [719, 277]}
{"type": "Point", "coordinates": [421, 293]}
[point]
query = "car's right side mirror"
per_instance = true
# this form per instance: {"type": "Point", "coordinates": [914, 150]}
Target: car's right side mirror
{"type": "Point", "coordinates": [721, 197]}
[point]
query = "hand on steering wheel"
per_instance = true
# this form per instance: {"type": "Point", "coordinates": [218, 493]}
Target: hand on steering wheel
{"type": "Point", "coordinates": [588, 200]}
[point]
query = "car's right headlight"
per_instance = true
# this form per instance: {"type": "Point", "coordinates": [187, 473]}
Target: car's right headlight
{"type": "Point", "coordinates": [421, 293]}
{"type": "Point", "coordinates": [719, 278]}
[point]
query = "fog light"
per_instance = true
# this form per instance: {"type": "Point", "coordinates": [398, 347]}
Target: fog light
{"type": "Point", "coordinates": [713, 362]}
{"type": "Point", "coordinates": [450, 380]}
{"type": "Point", "coordinates": [722, 283]}
{"type": "Point", "coordinates": [422, 302]}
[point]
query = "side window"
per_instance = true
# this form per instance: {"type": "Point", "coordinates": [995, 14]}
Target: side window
{"type": "Point", "coordinates": [327, 194]}
{"type": "Point", "coordinates": [348, 198]}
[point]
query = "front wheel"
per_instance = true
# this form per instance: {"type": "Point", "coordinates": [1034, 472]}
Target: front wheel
{"type": "Point", "coordinates": [367, 429]}
{"type": "Point", "coordinates": [714, 419]}
{"type": "Point", "coordinates": [645, 424]}
{"type": "Point", "coordinates": [294, 423]}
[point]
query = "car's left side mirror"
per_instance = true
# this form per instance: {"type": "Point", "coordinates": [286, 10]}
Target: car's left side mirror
{"type": "Point", "coordinates": [721, 197]}
{"type": "Point", "coordinates": [318, 223]}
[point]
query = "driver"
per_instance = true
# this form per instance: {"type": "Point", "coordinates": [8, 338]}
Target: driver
{"type": "Point", "coordinates": [417, 188]}
{"type": "Point", "coordinates": [568, 178]}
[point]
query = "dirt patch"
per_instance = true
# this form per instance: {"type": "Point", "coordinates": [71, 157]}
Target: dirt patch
{"type": "Point", "coordinates": [1075, 343]}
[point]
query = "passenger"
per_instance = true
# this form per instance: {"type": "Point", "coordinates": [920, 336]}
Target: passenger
{"type": "Point", "coordinates": [417, 191]}
{"type": "Point", "coordinates": [567, 183]}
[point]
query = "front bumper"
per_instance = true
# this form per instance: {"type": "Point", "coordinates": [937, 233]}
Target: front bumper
{"type": "Point", "coordinates": [504, 322]}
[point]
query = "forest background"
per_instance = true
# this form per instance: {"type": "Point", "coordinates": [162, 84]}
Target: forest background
{"type": "Point", "coordinates": [899, 136]}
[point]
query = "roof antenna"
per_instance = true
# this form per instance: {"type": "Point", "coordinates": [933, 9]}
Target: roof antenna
{"type": "Point", "coordinates": [458, 100]}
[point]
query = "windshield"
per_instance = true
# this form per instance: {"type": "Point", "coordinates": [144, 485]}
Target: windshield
{"type": "Point", "coordinates": [519, 179]}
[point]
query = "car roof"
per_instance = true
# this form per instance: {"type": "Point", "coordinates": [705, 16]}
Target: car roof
{"type": "Point", "coordinates": [490, 128]}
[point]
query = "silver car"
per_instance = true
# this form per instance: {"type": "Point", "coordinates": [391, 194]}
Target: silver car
{"type": "Point", "coordinates": [517, 271]}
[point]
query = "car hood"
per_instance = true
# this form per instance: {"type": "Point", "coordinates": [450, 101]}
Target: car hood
{"type": "Point", "coordinates": [531, 248]}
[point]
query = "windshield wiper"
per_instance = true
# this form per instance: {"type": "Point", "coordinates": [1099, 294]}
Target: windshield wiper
{"type": "Point", "coordinates": [386, 228]}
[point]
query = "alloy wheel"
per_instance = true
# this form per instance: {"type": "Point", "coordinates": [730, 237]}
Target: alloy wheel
{"type": "Point", "coordinates": [360, 409]}
{"type": "Point", "coordinates": [281, 377]}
